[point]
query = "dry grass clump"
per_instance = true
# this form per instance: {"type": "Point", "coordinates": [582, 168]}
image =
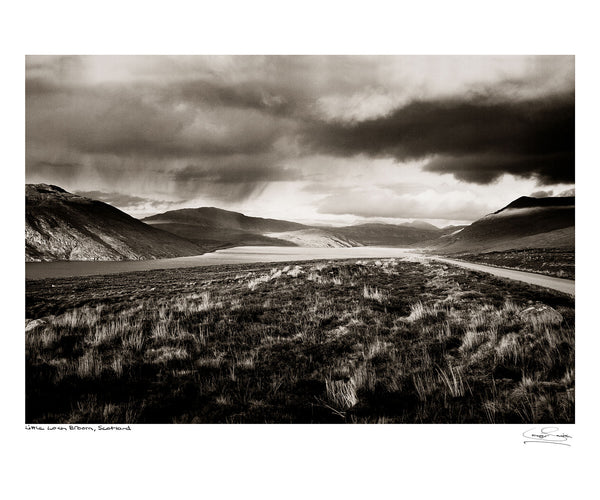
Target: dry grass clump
{"type": "Point", "coordinates": [341, 393]}
{"type": "Point", "coordinates": [165, 354]}
{"type": "Point", "coordinates": [323, 275]}
{"type": "Point", "coordinates": [41, 338]}
{"type": "Point", "coordinates": [424, 385]}
{"type": "Point", "coordinates": [370, 341]}
{"type": "Point", "coordinates": [191, 303]}
{"type": "Point", "coordinates": [374, 294]}
{"type": "Point", "coordinates": [295, 272]}
{"type": "Point", "coordinates": [422, 312]}
{"type": "Point", "coordinates": [508, 350]}
{"type": "Point", "coordinates": [80, 317]}
{"type": "Point", "coordinates": [266, 278]}
{"type": "Point", "coordinates": [473, 339]}
{"type": "Point", "coordinates": [452, 379]}
{"type": "Point", "coordinates": [134, 340]}
{"type": "Point", "coordinates": [114, 329]}
{"type": "Point", "coordinates": [89, 365]}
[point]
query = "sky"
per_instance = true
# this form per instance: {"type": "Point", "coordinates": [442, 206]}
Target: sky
{"type": "Point", "coordinates": [315, 139]}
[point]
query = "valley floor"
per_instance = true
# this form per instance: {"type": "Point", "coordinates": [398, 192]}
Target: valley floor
{"type": "Point", "coordinates": [387, 340]}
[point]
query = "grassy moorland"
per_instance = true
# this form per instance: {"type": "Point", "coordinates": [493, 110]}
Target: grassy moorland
{"type": "Point", "coordinates": [343, 341]}
{"type": "Point", "coordinates": [550, 261]}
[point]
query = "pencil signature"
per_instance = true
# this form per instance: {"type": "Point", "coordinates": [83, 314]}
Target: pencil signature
{"type": "Point", "coordinates": [550, 435]}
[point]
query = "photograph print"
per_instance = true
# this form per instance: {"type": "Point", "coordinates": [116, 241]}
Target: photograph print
{"type": "Point", "coordinates": [300, 239]}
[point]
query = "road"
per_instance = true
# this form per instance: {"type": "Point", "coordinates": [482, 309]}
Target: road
{"type": "Point", "coordinates": [560, 284]}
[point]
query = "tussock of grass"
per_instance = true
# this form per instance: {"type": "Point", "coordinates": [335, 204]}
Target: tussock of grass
{"type": "Point", "coordinates": [509, 349]}
{"type": "Point", "coordinates": [295, 272]}
{"type": "Point", "coordinates": [374, 294]}
{"type": "Point", "coordinates": [319, 342]}
{"type": "Point", "coordinates": [341, 393]}
{"type": "Point", "coordinates": [165, 354]}
{"type": "Point", "coordinates": [89, 365]}
{"type": "Point", "coordinates": [117, 365]}
{"type": "Point", "coordinates": [452, 379]}
{"type": "Point", "coordinates": [421, 312]}
{"type": "Point", "coordinates": [472, 340]}
{"type": "Point", "coordinates": [134, 340]}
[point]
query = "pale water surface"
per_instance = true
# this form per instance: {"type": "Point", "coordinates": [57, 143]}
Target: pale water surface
{"type": "Point", "coordinates": [236, 255]}
{"type": "Point", "coordinates": [249, 255]}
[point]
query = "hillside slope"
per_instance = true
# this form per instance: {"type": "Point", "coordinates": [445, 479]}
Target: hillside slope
{"type": "Point", "coordinates": [390, 234]}
{"type": "Point", "coordinates": [216, 218]}
{"type": "Point", "coordinates": [219, 228]}
{"type": "Point", "coordinates": [63, 226]}
{"type": "Point", "coordinates": [524, 223]}
{"type": "Point", "coordinates": [315, 238]}
{"type": "Point", "coordinates": [216, 228]}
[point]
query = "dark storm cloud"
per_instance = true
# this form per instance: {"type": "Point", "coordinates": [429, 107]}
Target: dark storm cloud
{"type": "Point", "coordinates": [234, 172]}
{"type": "Point", "coordinates": [250, 103]}
{"type": "Point", "coordinates": [476, 140]}
{"type": "Point", "coordinates": [36, 86]}
{"type": "Point", "coordinates": [232, 178]}
{"type": "Point", "coordinates": [59, 172]}
{"type": "Point", "coordinates": [226, 128]}
{"type": "Point", "coordinates": [62, 167]}
{"type": "Point", "coordinates": [115, 199]}
{"type": "Point", "coordinates": [127, 202]}
{"type": "Point", "coordinates": [249, 96]}
{"type": "Point", "coordinates": [483, 169]}
{"type": "Point", "coordinates": [122, 120]}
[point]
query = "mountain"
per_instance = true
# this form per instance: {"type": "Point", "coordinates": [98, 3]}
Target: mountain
{"type": "Point", "coordinates": [220, 228]}
{"type": "Point", "coordinates": [420, 225]}
{"type": "Point", "coordinates": [529, 202]}
{"type": "Point", "coordinates": [315, 238]}
{"type": "Point", "coordinates": [448, 230]}
{"type": "Point", "coordinates": [376, 234]}
{"type": "Point", "coordinates": [217, 228]}
{"type": "Point", "coordinates": [217, 218]}
{"type": "Point", "coordinates": [524, 223]}
{"type": "Point", "coordinates": [63, 226]}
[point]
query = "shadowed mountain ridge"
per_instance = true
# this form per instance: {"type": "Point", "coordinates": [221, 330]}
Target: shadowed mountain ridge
{"type": "Point", "coordinates": [64, 226]}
